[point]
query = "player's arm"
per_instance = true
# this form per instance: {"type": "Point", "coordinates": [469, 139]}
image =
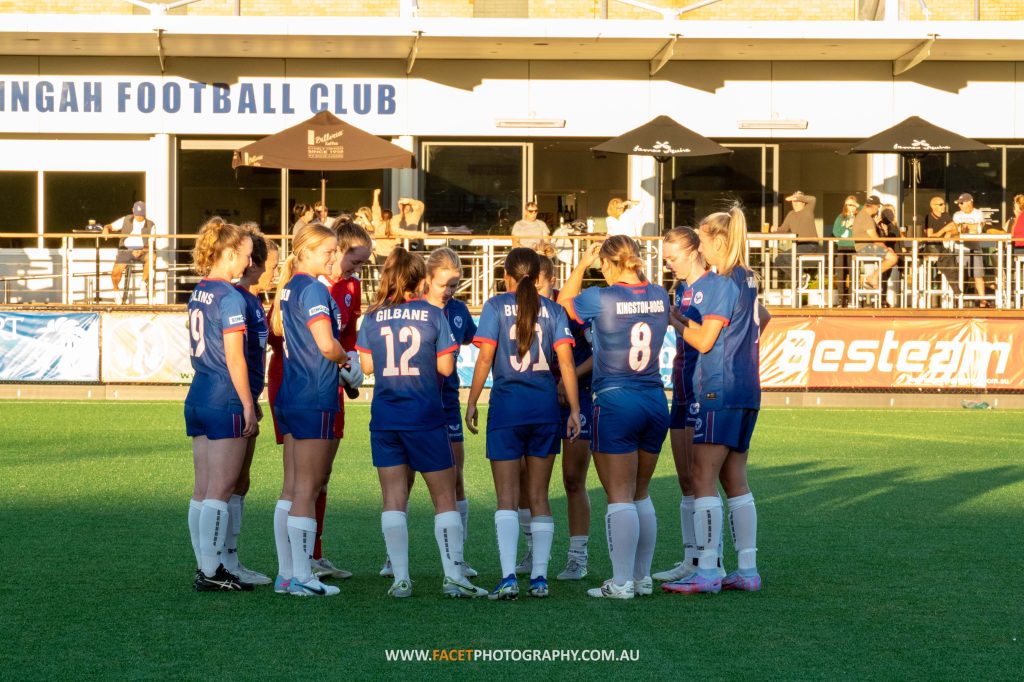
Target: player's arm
{"type": "Point", "coordinates": [484, 361]}
{"type": "Point", "coordinates": [416, 208]}
{"type": "Point", "coordinates": [446, 364]}
{"type": "Point", "coordinates": [703, 336]}
{"type": "Point", "coordinates": [568, 369]}
{"type": "Point", "coordinates": [238, 369]}
{"type": "Point", "coordinates": [328, 345]}
{"type": "Point", "coordinates": [763, 317]}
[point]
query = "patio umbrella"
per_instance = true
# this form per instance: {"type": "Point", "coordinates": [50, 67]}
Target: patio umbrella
{"type": "Point", "coordinates": [323, 143]}
{"type": "Point", "coordinates": [913, 139]}
{"type": "Point", "coordinates": [662, 138]}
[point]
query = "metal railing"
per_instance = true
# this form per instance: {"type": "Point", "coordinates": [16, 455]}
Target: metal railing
{"type": "Point", "coordinates": [794, 273]}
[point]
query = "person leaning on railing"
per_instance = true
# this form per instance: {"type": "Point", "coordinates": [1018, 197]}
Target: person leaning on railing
{"type": "Point", "coordinates": [800, 222]}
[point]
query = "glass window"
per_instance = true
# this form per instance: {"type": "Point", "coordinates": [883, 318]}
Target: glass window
{"type": "Point", "coordinates": [347, 191]}
{"type": "Point", "coordinates": [208, 186]}
{"type": "Point", "coordinates": [18, 209]}
{"type": "Point", "coordinates": [1014, 176]}
{"type": "Point", "coordinates": [980, 174]}
{"type": "Point", "coordinates": [479, 186]}
{"type": "Point", "coordinates": [696, 187]}
{"type": "Point", "coordinates": [72, 199]}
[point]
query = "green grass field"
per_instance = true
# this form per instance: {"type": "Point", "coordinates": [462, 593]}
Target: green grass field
{"type": "Point", "coordinates": [889, 545]}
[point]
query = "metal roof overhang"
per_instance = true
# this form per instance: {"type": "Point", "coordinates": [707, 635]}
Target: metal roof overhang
{"type": "Point", "coordinates": [500, 39]}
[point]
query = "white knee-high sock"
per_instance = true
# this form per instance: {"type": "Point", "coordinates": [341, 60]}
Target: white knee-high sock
{"type": "Point", "coordinates": [623, 528]}
{"type": "Point", "coordinates": [463, 507]}
{"type": "Point", "coordinates": [578, 547]}
{"type": "Point", "coordinates": [448, 533]}
{"type": "Point", "coordinates": [505, 527]}
{"type": "Point", "coordinates": [707, 529]}
{"type": "Point", "coordinates": [302, 536]}
{"type": "Point", "coordinates": [394, 526]}
{"type": "Point", "coordinates": [235, 505]}
{"type": "Point", "coordinates": [194, 509]}
{"type": "Point", "coordinates": [743, 521]}
{"type": "Point", "coordinates": [543, 530]}
{"type": "Point", "coordinates": [648, 527]}
{"type": "Point", "coordinates": [686, 522]}
{"type": "Point", "coordinates": [213, 526]}
{"type": "Point", "coordinates": [525, 518]}
{"type": "Point", "coordinates": [284, 548]}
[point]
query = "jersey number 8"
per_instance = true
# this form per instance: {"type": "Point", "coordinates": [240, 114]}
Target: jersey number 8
{"type": "Point", "coordinates": [409, 335]}
{"type": "Point", "coordinates": [196, 325]}
{"type": "Point", "coordinates": [639, 346]}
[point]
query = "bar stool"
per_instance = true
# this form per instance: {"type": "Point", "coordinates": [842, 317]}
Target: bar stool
{"type": "Point", "coordinates": [933, 282]}
{"type": "Point", "coordinates": [816, 262]}
{"type": "Point", "coordinates": [1018, 279]}
{"type": "Point", "coordinates": [861, 263]}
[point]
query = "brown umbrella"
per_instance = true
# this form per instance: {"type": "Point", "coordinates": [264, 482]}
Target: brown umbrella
{"type": "Point", "coordinates": [323, 143]}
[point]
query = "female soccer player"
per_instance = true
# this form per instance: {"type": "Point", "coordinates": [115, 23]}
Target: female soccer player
{"type": "Point", "coordinates": [629, 319]}
{"type": "Point", "coordinates": [681, 251]}
{"type": "Point", "coordinates": [727, 391]}
{"type": "Point", "coordinates": [405, 341]}
{"type": "Point", "coordinates": [520, 334]}
{"type": "Point", "coordinates": [354, 248]}
{"type": "Point", "coordinates": [575, 454]}
{"type": "Point", "coordinates": [255, 357]}
{"type": "Point", "coordinates": [220, 414]}
{"type": "Point", "coordinates": [308, 320]}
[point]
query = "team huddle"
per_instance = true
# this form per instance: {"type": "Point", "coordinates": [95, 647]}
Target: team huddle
{"type": "Point", "coordinates": [574, 371]}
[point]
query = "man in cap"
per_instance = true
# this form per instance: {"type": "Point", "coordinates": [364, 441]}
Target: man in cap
{"type": "Point", "coordinates": [800, 222]}
{"type": "Point", "coordinates": [865, 228]}
{"type": "Point", "coordinates": [133, 247]}
{"type": "Point", "coordinates": [971, 220]}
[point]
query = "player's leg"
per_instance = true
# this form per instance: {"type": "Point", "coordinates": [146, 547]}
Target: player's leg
{"type": "Point", "coordinates": [456, 440]}
{"type": "Point", "coordinates": [236, 510]}
{"type": "Point", "coordinates": [392, 473]}
{"type": "Point", "coordinates": [223, 462]}
{"type": "Point", "coordinates": [544, 444]}
{"type": "Point", "coordinates": [742, 512]}
{"type": "Point", "coordinates": [575, 464]}
{"type": "Point", "coordinates": [617, 473]}
{"type": "Point", "coordinates": [506, 475]}
{"type": "Point", "coordinates": [282, 509]}
{"type": "Point", "coordinates": [195, 503]}
{"type": "Point", "coordinates": [525, 565]}
{"type": "Point", "coordinates": [311, 462]}
{"type": "Point", "coordinates": [681, 439]}
{"type": "Point", "coordinates": [322, 566]}
{"type": "Point", "coordinates": [647, 523]}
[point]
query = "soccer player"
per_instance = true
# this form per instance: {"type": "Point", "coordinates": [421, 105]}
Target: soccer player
{"type": "Point", "coordinates": [220, 414]}
{"type": "Point", "coordinates": [519, 336]}
{"type": "Point", "coordinates": [681, 251]}
{"type": "Point", "coordinates": [629, 319]}
{"type": "Point", "coordinates": [354, 249]}
{"type": "Point", "coordinates": [405, 341]}
{"type": "Point", "coordinates": [575, 454]}
{"type": "Point", "coordinates": [727, 391]}
{"type": "Point", "coordinates": [255, 358]}
{"type": "Point", "coordinates": [308, 320]}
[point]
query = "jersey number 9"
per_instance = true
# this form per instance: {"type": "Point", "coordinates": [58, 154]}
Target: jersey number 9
{"type": "Point", "coordinates": [196, 325]}
{"type": "Point", "coordinates": [409, 335]}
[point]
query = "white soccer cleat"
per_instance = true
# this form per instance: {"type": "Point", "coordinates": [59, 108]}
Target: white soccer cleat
{"type": "Point", "coordinates": [325, 568]}
{"type": "Point", "coordinates": [575, 569]}
{"type": "Point", "coordinates": [468, 570]}
{"type": "Point", "coordinates": [311, 588]}
{"type": "Point", "coordinates": [247, 575]}
{"type": "Point", "coordinates": [400, 589]}
{"type": "Point", "coordinates": [609, 590]}
{"type": "Point", "coordinates": [643, 587]}
{"type": "Point", "coordinates": [683, 569]}
{"type": "Point", "coordinates": [456, 589]}
{"type": "Point", "coordinates": [386, 570]}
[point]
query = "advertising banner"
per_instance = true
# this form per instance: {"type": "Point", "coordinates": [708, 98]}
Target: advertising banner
{"type": "Point", "coordinates": [49, 346]}
{"type": "Point", "coordinates": [146, 348]}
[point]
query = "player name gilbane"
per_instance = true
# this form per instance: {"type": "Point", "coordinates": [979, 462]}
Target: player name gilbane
{"type": "Point", "coordinates": [401, 313]}
{"type": "Point", "coordinates": [639, 307]}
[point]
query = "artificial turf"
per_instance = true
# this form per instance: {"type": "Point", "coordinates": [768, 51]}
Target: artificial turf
{"type": "Point", "coordinates": [889, 543]}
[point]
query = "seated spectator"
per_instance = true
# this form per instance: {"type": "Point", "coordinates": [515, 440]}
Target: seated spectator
{"type": "Point", "coordinates": [865, 233]}
{"type": "Point", "coordinates": [531, 232]}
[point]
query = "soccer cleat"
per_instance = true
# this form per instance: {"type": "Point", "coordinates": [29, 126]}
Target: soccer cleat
{"type": "Point", "coordinates": [400, 589]}
{"type": "Point", "coordinates": [385, 570]}
{"type": "Point", "coordinates": [681, 570]}
{"type": "Point", "coordinates": [699, 583]}
{"type": "Point", "coordinates": [525, 565]}
{"type": "Point", "coordinates": [457, 589]}
{"type": "Point", "coordinates": [222, 581]}
{"type": "Point", "coordinates": [538, 587]}
{"type": "Point", "coordinates": [643, 587]}
{"type": "Point", "coordinates": [311, 588]}
{"type": "Point", "coordinates": [609, 590]}
{"type": "Point", "coordinates": [575, 569]}
{"type": "Point", "coordinates": [195, 579]}
{"type": "Point", "coordinates": [249, 576]}
{"type": "Point", "coordinates": [281, 584]}
{"type": "Point", "coordinates": [325, 568]}
{"type": "Point", "coordinates": [508, 588]}
{"type": "Point", "coordinates": [720, 572]}
{"type": "Point", "coordinates": [468, 570]}
{"type": "Point", "coordinates": [743, 581]}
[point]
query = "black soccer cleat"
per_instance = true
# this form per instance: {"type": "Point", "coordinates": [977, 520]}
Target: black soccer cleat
{"type": "Point", "coordinates": [222, 581]}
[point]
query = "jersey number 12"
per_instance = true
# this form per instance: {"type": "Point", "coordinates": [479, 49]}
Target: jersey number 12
{"type": "Point", "coordinates": [409, 335]}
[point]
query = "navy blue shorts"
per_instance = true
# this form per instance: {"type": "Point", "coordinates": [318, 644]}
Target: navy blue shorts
{"type": "Point", "coordinates": [627, 420]}
{"type": "Point", "coordinates": [533, 440]}
{"type": "Point", "coordinates": [214, 424]}
{"type": "Point", "coordinates": [586, 415]}
{"type": "Point", "coordinates": [423, 451]}
{"type": "Point", "coordinates": [453, 423]}
{"type": "Point", "coordinates": [731, 428]}
{"type": "Point", "coordinates": [683, 416]}
{"type": "Point", "coordinates": [306, 424]}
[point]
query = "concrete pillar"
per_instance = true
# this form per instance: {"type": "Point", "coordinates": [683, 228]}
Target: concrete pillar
{"type": "Point", "coordinates": [643, 188]}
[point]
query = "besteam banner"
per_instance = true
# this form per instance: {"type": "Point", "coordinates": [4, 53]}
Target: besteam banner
{"type": "Point", "coordinates": [147, 348]}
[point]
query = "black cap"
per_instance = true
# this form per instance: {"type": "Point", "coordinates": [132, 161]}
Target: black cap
{"type": "Point", "coordinates": [964, 198]}
{"type": "Point", "coordinates": [873, 200]}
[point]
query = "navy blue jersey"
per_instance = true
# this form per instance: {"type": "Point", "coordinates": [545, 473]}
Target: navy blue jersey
{"type": "Point", "coordinates": [405, 341]}
{"type": "Point", "coordinates": [691, 301]}
{"type": "Point", "coordinates": [256, 332]}
{"type": "Point", "coordinates": [215, 309]}
{"type": "Point", "coordinates": [629, 322]}
{"type": "Point", "coordinates": [581, 350]}
{"type": "Point", "coordinates": [310, 380]}
{"type": "Point", "coordinates": [728, 375]}
{"type": "Point", "coordinates": [463, 330]}
{"type": "Point", "coordinates": [524, 390]}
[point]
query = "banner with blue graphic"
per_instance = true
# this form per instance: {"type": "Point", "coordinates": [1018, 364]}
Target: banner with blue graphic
{"type": "Point", "coordinates": [49, 346]}
{"type": "Point", "coordinates": [467, 361]}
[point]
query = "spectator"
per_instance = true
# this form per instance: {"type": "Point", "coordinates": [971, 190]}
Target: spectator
{"type": "Point", "coordinates": [530, 232]}
{"type": "Point", "coordinates": [889, 229]}
{"type": "Point", "coordinates": [938, 224]}
{"type": "Point", "coordinates": [800, 222]}
{"type": "Point", "coordinates": [842, 228]}
{"type": "Point", "coordinates": [622, 219]}
{"type": "Point", "coordinates": [134, 229]}
{"type": "Point", "coordinates": [865, 230]}
{"type": "Point", "coordinates": [303, 215]}
{"type": "Point", "coordinates": [389, 230]}
{"type": "Point", "coordinates": [970, 220]}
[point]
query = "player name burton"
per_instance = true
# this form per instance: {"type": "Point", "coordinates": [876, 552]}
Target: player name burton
{"type": "Point", "coordinates": [639, 307]}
